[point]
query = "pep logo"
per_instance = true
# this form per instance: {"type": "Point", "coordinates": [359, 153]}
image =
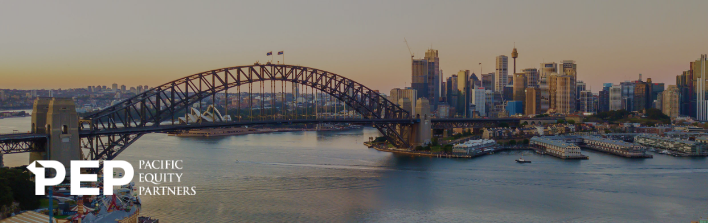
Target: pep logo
{"type": "Point", "coordinates": [76, 177]}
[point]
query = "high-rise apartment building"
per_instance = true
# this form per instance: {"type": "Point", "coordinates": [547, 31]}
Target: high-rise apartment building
{"type": "Point", "coordinates": [426, 77]}
{"type": "Point", "coordinates": [531, 77]}
{"type": "Point", "coordinates": [501, 74]}
{"type": "Point", "coordinates": [520, 87]}
{"type": "Point", "coordinates": [564, 94]}
{"type": "Point", "coordinates": [115, 87]}
{"type": "Point", "coordinates": [670, 101]}
{"type": "Point", "coordinates": [122, 88]}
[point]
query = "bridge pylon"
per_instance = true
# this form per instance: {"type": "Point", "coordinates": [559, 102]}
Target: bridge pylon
{"type": "Point", "coordinates": [57, 118]}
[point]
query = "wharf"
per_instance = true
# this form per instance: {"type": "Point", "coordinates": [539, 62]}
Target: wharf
{"type": "Point", "coordinates": [543, 152]}
{"type": "Point", "coordinates": [625, 155]}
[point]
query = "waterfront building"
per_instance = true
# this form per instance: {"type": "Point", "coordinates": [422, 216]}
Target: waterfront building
{"type": "Point", "coordinates": [426, 77]}
{"type": "Point", "coordinates": [557, 148]}
{"type": "Point", "coordinates": [478, 99]}
{"type": "Point", "coordinates": [616, 147]}
{"type": "Point", "coordinates": [671, 144]}
{"type": "Point", "coordinates": [501, 74]}
{"type": "Point", "coordinates": [670, 101]}
{"type": "Point", "coordinates": [515, 107]}
{"type": "Point", "coordinates": [473, 146]}
{"type": "Point", "coordinates": [532, 105]}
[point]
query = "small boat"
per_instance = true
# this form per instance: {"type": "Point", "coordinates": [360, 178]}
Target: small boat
{"type": "Point", "coordinates": [522, 160]}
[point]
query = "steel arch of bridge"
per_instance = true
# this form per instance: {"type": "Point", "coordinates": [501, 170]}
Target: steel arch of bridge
{"type": "Point", "coordinates": [169, 99]}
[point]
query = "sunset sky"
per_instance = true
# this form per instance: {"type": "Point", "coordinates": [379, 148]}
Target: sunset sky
{"type": "Point", "coordinates": [72, 44]}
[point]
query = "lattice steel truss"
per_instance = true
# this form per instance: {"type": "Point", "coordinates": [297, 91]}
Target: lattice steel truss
{"type": "Point", "coordinates": [107, 133]}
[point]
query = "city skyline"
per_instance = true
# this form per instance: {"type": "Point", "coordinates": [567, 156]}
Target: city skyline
{"type": "Point", "coordinates": [156, 44]}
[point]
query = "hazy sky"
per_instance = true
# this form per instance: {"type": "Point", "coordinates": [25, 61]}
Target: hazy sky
{"type": "Point", "coordinates": [69, 44]}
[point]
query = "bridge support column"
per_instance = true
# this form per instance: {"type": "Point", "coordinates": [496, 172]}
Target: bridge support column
{"type": "Point", "coordinates": [61, 123]}
{"type": "Point", "coordinates": [422, 131]}
{"type": "Point", "coordinates": [39, 124]}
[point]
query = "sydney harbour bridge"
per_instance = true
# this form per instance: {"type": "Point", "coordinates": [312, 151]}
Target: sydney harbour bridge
{"type": "Point", "coordinates": [58, 133]}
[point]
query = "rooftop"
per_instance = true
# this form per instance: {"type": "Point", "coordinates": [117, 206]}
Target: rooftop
{"type": "Point", "coordinates": [552, 141]}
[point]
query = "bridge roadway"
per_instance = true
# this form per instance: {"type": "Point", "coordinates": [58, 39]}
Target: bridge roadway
{"type": "Point", "coordinates": [26, 142]}
{"type": "Point", "coordinates": [22, 142]}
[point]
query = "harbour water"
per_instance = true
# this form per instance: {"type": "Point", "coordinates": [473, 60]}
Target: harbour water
{"type": "Point", "coordinates": [332, 177]}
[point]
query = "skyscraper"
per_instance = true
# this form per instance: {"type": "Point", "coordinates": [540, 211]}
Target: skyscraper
{"type": "Point", "coordinates": [616, 98]}
{"type": "Point", "coordinates": [115, 87]}
{"type": "Point", "coordinates": [627, 95]}
{"type": "Point", "coordinates": [565, 94]}
{"type": "Point", "coordinates": [531, 77]}
{"type": "Point", "coordinates": [426, 77]}
{"type": "Point", "coordinates": [463, 93]}
{"type": "Point", "coordinates": [452, 93]}
{"type": "Point", "coordinates": [406, 98]}
{"type": "Point", "coordinates": [520, 87]}
{"type": "Point", "coordinates": [670, 101]}
{"type": "Point", "coordinates": [532, 105]}
{"type": "Point", "coordinates": [699, 73]}
{"type": "Point", "coordinates": [479, 97]}
{"type": "Point", "coordinates": [687, 96]}
{"type": "Point", "coordinates": [488, 81]}
{"type": "Point", "coordinates": [543, 84]}
{"type": "Point", "coordinates": [587, 102]}
{"type": "Point", "coordinates": [502, 73]}
{"type": "Point", "coordinates": [579, 87]}
{"type": "Point", "coordinates": [603, 100]}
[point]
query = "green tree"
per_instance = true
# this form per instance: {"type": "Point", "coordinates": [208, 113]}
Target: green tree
{"type": "Point", "coordinates": [572, 122]}
{"type": "Point", "coordinates": [526, 141]}
{"type": "Point", "coordinates": [434, 141]}
{"type": "Point", "coordinates": [512, 142]}
{"type": "Point", "coordinates": [504, 125]}
{"type": "Point", "coordinates": [21, 187]}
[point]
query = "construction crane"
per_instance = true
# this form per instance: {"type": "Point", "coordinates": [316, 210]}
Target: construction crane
{"type": "Point", "coordinates": [409, 48]}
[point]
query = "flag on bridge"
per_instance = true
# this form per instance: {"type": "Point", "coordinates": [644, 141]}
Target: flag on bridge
{"type": "Point", "coordinates": [280, 52]}
{"type": "Point", "coordinates": [269, 53]}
